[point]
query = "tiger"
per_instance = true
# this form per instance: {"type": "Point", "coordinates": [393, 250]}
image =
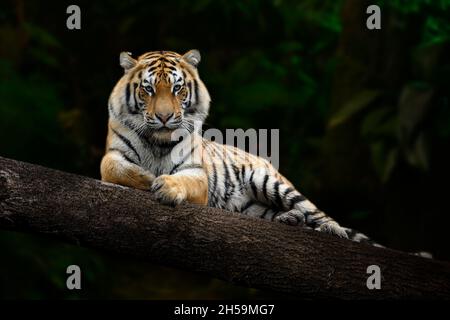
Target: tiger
{"type": "Point", "coordinates": [161, 92]}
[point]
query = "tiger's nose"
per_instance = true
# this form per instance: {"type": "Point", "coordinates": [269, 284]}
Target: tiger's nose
{"type": "Point", "coordinates": [164, 117]}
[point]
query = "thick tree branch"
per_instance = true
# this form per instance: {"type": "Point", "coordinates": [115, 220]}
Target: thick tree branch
{"type": "Point", "coordinates": [229, 246]}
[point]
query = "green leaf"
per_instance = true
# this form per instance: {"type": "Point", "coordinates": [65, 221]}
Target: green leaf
{"type": "Point", "coordinates": [42, 36]}
{"type": "Point", "coordinates": [383, 159]}
{"type": "Point", "coordinates": [373, 120]}
{"type": "Point", "coordinates": [417, 154]}
{"type": "Point", "coordinates": [389, 165]}
{"type": "Point", "coordinates": [359, 102]}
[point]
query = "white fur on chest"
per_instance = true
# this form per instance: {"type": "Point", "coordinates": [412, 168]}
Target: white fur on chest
{"type": "Point", "coordinates": [156, 165]}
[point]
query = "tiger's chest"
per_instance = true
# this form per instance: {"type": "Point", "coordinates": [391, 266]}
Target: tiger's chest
{"type": "Point", "coordinates": [157, 165]}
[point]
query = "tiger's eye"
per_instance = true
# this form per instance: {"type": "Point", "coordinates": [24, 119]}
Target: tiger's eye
{"type": "Point", "coordinates": [176, 88]}
{"type": "Point", "coordinates": [149, 89]}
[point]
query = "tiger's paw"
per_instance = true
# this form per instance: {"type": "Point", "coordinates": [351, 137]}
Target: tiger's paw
{"type": "Point", "coordinates": [334, 228]}
{"type": "Point", "coordinates": [142, 181]}
{"type": "Point", "coordinates": [168, 191]}
{"type": "Point", "coordinates": [293, 217]}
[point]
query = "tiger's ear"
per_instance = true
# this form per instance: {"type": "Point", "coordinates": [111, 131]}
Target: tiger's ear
{"type": "Point", "coordinates": [126, 61]}
{"type": "Point", "coordinates": [192, 57]}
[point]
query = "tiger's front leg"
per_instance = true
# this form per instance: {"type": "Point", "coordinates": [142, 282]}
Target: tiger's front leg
{"type": "Point", "coordinates": [189, 185]}
{"type": "Point", "coordinates": [119, 169]}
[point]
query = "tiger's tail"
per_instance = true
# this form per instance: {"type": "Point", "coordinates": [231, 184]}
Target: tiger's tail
{"type": "Point", "coordinates": [357, 236]}
{"type": "Point", "coordinates": [296, 209]}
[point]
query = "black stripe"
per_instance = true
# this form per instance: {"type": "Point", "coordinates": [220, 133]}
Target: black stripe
{"type": "Point", "coordinates": [152, 65]}
{"type": "Point", "coordinates": [171, 54]}
{"type": "Point", "coordinates": [164, 145]}
{"type": "Point", "coordinates": [320, 221]}
{"type": "Point", "coordinates": [243, 172]}
{"type": "Point", "coordinates": [317, 223]}
{"type": "Point", "coordinates": [229, 186]}
{"type": "Point", "coordinates": [313, 218]}
{"type": "Point", "coordinates": [164, 60]}
{"type": "Point", "coordinates": [151, 55]}
{"type": "Point", "coordinates": [214, 172]}
{"type": "Point", "coordinates": [128, 143]}
{"type": "Point", "coordinates": [274, 214]}
{"type": "Point", "coordinates": [236, 172]}
{"type": "Point", "coordinates": [296, 199]}
{"type": "Point", "coordinates": [247, 205]}
{"type": "Point", "coordinates": [214, 186]}
{"type": "Point", "coordinates": [184, 159]}
{"type": "Point", "coordinates": [278, 201]}
{"type": "Point", "coordinates": [253, 186]}
{"type": "Point", "coordinates": [264, 186]}
{"type": "Point", "coordinates": [110, 108]}
{"type": "Point", "coordinates": [127, 97]}
{"type": "Point", "coordinates": [129, 159]}
{"type": "Point", "coordinates": [123, 155]}
{"type": "Point", "coordinates": [133, 74]}
{"type": "Point", "coordinates": [196, 91]}
{"type": "Point", "coordinates": [287, 191]}
{"type": "Point", "coordinates": [129, 125]}
{"type": "Point", "coordinates": [264, 213]}
{"type": "Point", "coordinates": [154, 61]}
{"type": "Point", "coordinates": [190, 90]}
{"type": "Point", "coordinates": [134, 96]}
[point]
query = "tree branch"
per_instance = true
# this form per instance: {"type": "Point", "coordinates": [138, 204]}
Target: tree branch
{"type": "Point", "coordinates": [233, 247]}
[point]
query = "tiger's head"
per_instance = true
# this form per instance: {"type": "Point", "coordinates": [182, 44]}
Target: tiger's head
{"type": "Point", "coordinates": [160, 92]}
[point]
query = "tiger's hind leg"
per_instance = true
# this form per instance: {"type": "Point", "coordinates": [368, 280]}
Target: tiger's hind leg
{"type": "Point", "coordinates": [258, 210]}
{"type": "Point", "coordinates": [292, 217]}
{"type": "Point", "coordinates": [293, 207]}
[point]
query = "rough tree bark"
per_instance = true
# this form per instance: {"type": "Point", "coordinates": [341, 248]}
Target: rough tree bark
{"type": "Point", "coordinates": [225, 245]}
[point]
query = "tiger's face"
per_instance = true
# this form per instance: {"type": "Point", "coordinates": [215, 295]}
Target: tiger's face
{"type": "Point", "coordinates": [159, 93]}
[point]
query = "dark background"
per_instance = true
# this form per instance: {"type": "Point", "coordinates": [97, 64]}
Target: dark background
{"type": "Point", "coordinates": [364, 116]}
